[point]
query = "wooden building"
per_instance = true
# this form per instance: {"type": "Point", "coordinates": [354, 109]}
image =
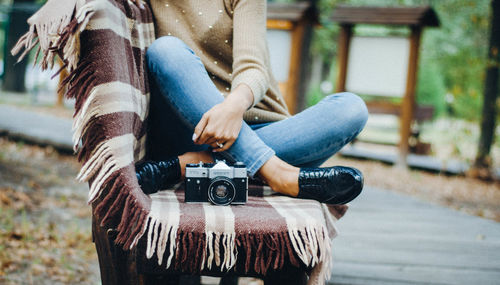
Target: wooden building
{"type": "Point", "coordinates": [397, 56]}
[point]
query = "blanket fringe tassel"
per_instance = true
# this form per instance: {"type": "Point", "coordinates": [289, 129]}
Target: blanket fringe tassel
{"type": "Point", "coordinates": [261, 252]}
{"type": "Point", "coordinates": [60, 36]}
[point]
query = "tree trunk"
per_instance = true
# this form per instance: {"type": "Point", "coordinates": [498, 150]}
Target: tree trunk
{"type": "Point", "coordinates": [13, 78]}
{"type": "Point", "coordinates": [488, 122]}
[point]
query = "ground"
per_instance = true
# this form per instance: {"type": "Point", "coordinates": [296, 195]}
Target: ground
{"type": "Point", "coordinates": [45, 235]}
{"type": "Point", "coordinates": [45, 222]}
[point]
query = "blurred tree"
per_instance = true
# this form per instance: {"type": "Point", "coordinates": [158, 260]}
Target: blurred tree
{"type": "Point", "coordinates": [459, 49]}
{"type": "Point", "coordinates": [488, 122]}
{"type": "Point", "coordinates": [14, 74]}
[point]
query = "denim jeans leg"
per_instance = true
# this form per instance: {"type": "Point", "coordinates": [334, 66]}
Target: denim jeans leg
{"type": "Point", "coordinates": [186, 86]}
{"type": "Point", "coordinates": [310, 137]}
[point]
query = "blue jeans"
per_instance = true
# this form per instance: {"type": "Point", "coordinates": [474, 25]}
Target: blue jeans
{"type": "Point", "coordinates": [182, 91]}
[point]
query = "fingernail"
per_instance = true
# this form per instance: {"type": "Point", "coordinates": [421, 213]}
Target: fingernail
{"type": "Point", "coordinates": [194, 137]}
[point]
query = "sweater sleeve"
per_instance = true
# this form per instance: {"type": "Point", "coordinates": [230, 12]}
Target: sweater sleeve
{"type": "Point", "coordinates": [249, 47]}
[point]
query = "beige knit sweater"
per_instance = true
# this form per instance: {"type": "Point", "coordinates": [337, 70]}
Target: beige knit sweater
{"type": "Point", "coordinates": [230, 38]}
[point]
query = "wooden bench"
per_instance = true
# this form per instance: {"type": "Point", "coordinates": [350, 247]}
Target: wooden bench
{"type": "Point", "coordinates": [128, 267]}
{"type": "Point", "coordinates": [421, 114]}
{"type": "Point", "coordinates": [118, 266]}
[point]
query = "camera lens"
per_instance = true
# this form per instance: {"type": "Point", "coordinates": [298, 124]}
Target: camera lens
{"type": "Point", "coordinates": [221, 191]}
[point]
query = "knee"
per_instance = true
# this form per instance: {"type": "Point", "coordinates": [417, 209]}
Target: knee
{"type": "Point", "coordinates": [166, 51]}
{"type": "Point", "coordinates": [355, 112]}
{"type": "Point", "coordinates": [357, 109]}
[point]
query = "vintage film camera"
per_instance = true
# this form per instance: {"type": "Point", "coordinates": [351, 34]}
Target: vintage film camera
{"type": "Point", "coordinates": [217, 183]}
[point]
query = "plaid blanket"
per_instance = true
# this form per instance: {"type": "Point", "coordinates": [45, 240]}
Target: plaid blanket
{"type": "Point", "coordinates": [103, 44]}
{"type": "Point", "coordinates": [267, 232]}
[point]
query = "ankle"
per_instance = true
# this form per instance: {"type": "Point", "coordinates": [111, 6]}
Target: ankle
{"type": "Point", "coordinates": [193, 157]}
{"type": "Point", "coordinates": [281, 176]}
{"type": "Point", "coordinates": [289, 183]}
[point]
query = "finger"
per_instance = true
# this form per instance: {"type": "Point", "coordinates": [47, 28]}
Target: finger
{"type": "Point", "coordinates": [212, 140]}
{"type": "Point", "coordinates": [214, 146]}
{"type": "Point", "coordinates": [218, 138]}
{"type": "Point", "coordinates": [228, 140]}
{"type": "Point", "coordinates": [198, 130]}
{"type": "Point", "coordinates": [207, 134]}
{"type": "Point", "coordinates": [226, 146]}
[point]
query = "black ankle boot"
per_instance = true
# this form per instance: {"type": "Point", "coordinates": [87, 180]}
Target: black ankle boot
{"type": "Point", "coordinates": [158, 175]}
{"type": "Point", "coordinates": [331, 185]}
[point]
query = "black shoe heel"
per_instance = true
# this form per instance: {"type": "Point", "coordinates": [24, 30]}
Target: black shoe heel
{"type": "Point", "coordinates": [158, 175]}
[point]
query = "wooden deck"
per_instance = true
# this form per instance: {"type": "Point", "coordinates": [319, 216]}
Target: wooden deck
{"type": "Point", "coordinates": [388, 238]}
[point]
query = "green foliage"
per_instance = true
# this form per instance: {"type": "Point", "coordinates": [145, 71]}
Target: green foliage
{"type": "Point", "coordinates": [314, 96]}
{"type": "Point", "coordinates": [324, 37]}
{"type": "Point", "coordinates": [430, 87]}
{"type": "Point", "coordinates": [2, 39]}
{"type": "Point", "coordinates": [459, 48]}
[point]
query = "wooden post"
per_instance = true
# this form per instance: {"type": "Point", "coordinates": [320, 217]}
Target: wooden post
{"type": "Point", "coordinates": [343, 56]}
{"type": "Point", "coordinates": [304, 67]}
{"type": "Point", "coordinates": [292, 88]}
{"type": "Point", "coordinates": [116, 265]}
{"type": "Point", "coordinates": [408, 104]}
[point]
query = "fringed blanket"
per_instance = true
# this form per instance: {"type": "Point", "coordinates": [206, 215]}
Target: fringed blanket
{"type": "Point", "coordinates": [103, 44]}
{"type": "Point", "coordinates": [267, 233]}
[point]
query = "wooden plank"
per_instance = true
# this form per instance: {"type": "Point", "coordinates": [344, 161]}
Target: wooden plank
{"type": "Point", "coordinates": [304, 67]}
{"type": "Point", "coordinates": [397, 274]}
{"type": "Point", "coordinates": [422, 230]}
{"type": "Point", "coordinates": [424, 162]}
{"type": "Point", "coordinates": [289, 11]}
{"type": "Point", "coordinates": [417, 244]}
{"type": "Point", "coordinates": [116, 265]}
{"type": "Point", "coordinates": [408, 237]}
{"type": "Point", "coordinates": [421, 219]}
{"type": "Point", "coordinates": [389, 238]}
{"type": "Point", "coordinates": [293, 82]}
{"type": "Point", "coordinates": [294, 12]}
{"type": "Point", "coordinates": [383, 107]}
{"type": "Point", "coordinates": [279, 24]}
{"type": "Point", "coordinates": [421, 113]}
{"type": "Point", "coordinates": [408, 104]}
{"type": "Point", "coordinates": [343, 56]}
{"type": "Point", "coordinates": [282, 87]}
{"type": "Point", "coordinates": [359, 280]}
{"type": "Point", "coordinates": [408, 16]}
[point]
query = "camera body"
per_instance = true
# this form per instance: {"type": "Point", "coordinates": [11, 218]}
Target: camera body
{"type": "Point", "coordinates": [217, 183]}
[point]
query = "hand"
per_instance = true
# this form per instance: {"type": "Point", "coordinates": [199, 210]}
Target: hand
{"type": "Point", "coordinates": [138, 3]}
{"type": "Point", "coordinates": [220, 126]}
